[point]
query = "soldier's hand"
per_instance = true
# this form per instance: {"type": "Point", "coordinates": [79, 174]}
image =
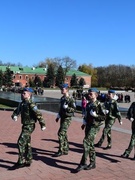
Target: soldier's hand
{"type": "Point", "coordinates": [120, 122]}
{"type": "Point", "coordinates": [83, 126]}
{"type": "Point", "coordinates": [105, 111]}
{"type": "Point", "coordinates": [14, 118]}
{"type": "Point", "coordinates": [93, 113]}
{"type": "Point", "coordinates": [43, 128]}
{"type": "Point", "coordinates": [131, 119]}
{"type": "Point", "coordinates": [57, 118]}
{"type": "Point", "coordinates": [65, 106]}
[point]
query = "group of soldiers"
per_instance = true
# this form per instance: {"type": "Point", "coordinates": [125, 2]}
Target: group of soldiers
{"type": "Point", "coordinates": [96, 115]}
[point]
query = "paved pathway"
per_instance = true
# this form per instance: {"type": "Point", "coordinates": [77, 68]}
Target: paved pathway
{"type": "Point", "coordinates": [110, 165]}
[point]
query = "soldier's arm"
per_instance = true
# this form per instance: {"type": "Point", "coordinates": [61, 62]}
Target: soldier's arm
{"type": "Point", "coordinates": [101, 116]}
{"type": "Point", "coordinates": [17, 111]}
{"type": "Point", "coordinates": [71, 105]}
{"type": "Point", "coordinates": [38, 115]}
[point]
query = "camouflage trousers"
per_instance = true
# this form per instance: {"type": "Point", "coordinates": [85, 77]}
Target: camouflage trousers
{"type": "Point", "coordinates": [62, 135]}
{"type": "Point", "coordinates": [88, 144]}
{"type": "Point", "coordinates": [132, 140]}
{"type": "Point", "coordinates": [107, 132]}
{"type": "Point", "coordinates": [24, 144]}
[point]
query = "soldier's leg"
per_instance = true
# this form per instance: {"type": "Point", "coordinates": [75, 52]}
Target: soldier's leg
{"type": "Point", "coordinates": [22, 144]}
{"type": "Point", "coordinates": [130, 147]}
{"type": "Point", "coordinates": [109, 139]}
{"type": "Point", "coordinates": [92, 153]}
{"type": "Point", "coordinates": [62, 136]}
{"type": "Point", "coordinates": [86, 146]}
{"type": "Point", "coordinates": [104, 134]}
{"type": "Point", "coordinates": [28, 147]}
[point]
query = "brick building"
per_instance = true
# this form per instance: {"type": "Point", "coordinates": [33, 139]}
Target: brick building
{"type": "Point", "coordinates": [21, 75]}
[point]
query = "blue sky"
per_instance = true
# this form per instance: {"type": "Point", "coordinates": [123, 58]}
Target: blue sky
{"type": "Point", "coordinates": [97, 32]}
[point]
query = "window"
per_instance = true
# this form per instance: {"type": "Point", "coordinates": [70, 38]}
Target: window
{"type": "Point", "coordinates": [26, 77]}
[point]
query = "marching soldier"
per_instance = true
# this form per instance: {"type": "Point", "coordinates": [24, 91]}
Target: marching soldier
{"type": "Point", "coordinates": [67, 107]}
{"type": "Point", "coordinates": [112, 112]}
{"type": "Point", "coordinates": [29, 116]}
{"type": "Point", "coordinates": [131, 117]}
{"type": "Point", "coordinates": [92, 121]}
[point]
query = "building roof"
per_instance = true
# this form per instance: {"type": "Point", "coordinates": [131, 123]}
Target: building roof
{"type": "Point", "coordinates": [37, 70]}
{"type": "Point", "coordinates": [25, 70]}
{"type": "Point", "coordinates": [78, 73]}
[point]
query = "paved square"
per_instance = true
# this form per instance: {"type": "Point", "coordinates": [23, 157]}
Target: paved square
{"type": "Point", "coordinates": [110, 165]}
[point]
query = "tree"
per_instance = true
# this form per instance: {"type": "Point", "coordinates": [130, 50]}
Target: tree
{"type": "Point", "coordinates": [73, 81]}
{"type": "Point", "coordinates": [37, 81]}
{"type": "Point", "coordinates": [66, 63]}
{"type": "Point", "coordinates": [31, 83]}
{"type": "Point", "coordinates": [60, 77]}
{"type": "Point", "coordinates": [88, 69]}
{"type": "Point", "coordinates": [8, 77]}
{"type": "Point", "coordinates": [81, 82]}
{"type": "Point", "coordinates": [50, 76]}
{"type": "Point", "coordinates": [1, 78]}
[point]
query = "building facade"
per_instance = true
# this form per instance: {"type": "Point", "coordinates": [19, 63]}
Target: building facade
{"type": "Point", "coordinates": [22, 75]}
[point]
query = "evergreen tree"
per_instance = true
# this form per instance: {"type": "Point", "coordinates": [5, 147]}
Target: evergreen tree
{"type": "Point", "coordinates": [31, 83]}
{"type": "Point", "coordinates": [50, 76]}
{"type": "Point", "coordinates": [1, 78]}
{"type": "Point", "coordinates": [37, 81]}
{"type": "Point", "coordinates": [82, 82]}
{"type": "Point", "coordinates": [60, 76]}
{"type": "Point", "coordinates": [8, 77]}
{"type": "Point", "coordinates": [73, 81]}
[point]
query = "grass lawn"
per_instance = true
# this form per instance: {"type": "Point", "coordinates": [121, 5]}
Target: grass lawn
{"type": "Point", "coordinates": [4, 106]}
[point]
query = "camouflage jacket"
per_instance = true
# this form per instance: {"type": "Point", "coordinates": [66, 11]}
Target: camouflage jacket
{"type": "Point", "coordinates": [131, 111]}
{"type": "Point", "coordinates": [29, 113]}
{"type": "Point", "coordinates": [97, 107]}
{"type": "Point", "coordinates": [112, 107]}
{"type": "Point", "coordinates": [68, 112]}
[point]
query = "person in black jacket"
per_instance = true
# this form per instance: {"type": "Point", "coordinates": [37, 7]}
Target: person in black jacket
{"type": "Point", "coordinates": [131, 117]}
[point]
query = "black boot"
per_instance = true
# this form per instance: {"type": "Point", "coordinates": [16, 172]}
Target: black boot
{"type": "Point", "coordinates": [98, 144]}
{"type": "Point", "coordinates": [81, 167]}
{"type": "Point", "coordinates": [60, 153]}
{"type": "Point", "coordinates": [125, 155]}
{"type": "Point", "coordinates": [17, 166]}
{"type": "Point", "coordinates": [91, 166]}
{"type": "Point", "coordinates": [107, 147]}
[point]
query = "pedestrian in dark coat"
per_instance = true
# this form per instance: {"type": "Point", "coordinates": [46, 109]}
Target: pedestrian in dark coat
{"type": "Point", "coordinates": [131, 117]}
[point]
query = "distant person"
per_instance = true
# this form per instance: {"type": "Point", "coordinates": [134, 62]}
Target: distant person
{"type": "Point", "coordinates": [67, 107]}
{"type": "Point", "coordinates": [29, 116]}
{"type": "Point", "coordinates": [127, 98]}
{"type": "Point", "coordinates": [92, 121]}
{"type": "Point", "coordinates": [131, 117]}
{"type": "Point", "coordinates": [112, 112]}
{"type": "Point", "coordinates": [84, 103]}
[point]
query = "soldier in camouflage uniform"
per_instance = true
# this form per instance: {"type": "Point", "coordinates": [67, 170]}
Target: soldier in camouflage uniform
{"type": "Point", "coordinates": [92, 121]}
{"type": "Point", "coordinates": [112, 112]}
{"type": "Point", "coordinates": [67, 107]}
{"type": "Point", "coordinates": [29, 115]}
{"type": "Point", "coordinates": [131, 117]}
